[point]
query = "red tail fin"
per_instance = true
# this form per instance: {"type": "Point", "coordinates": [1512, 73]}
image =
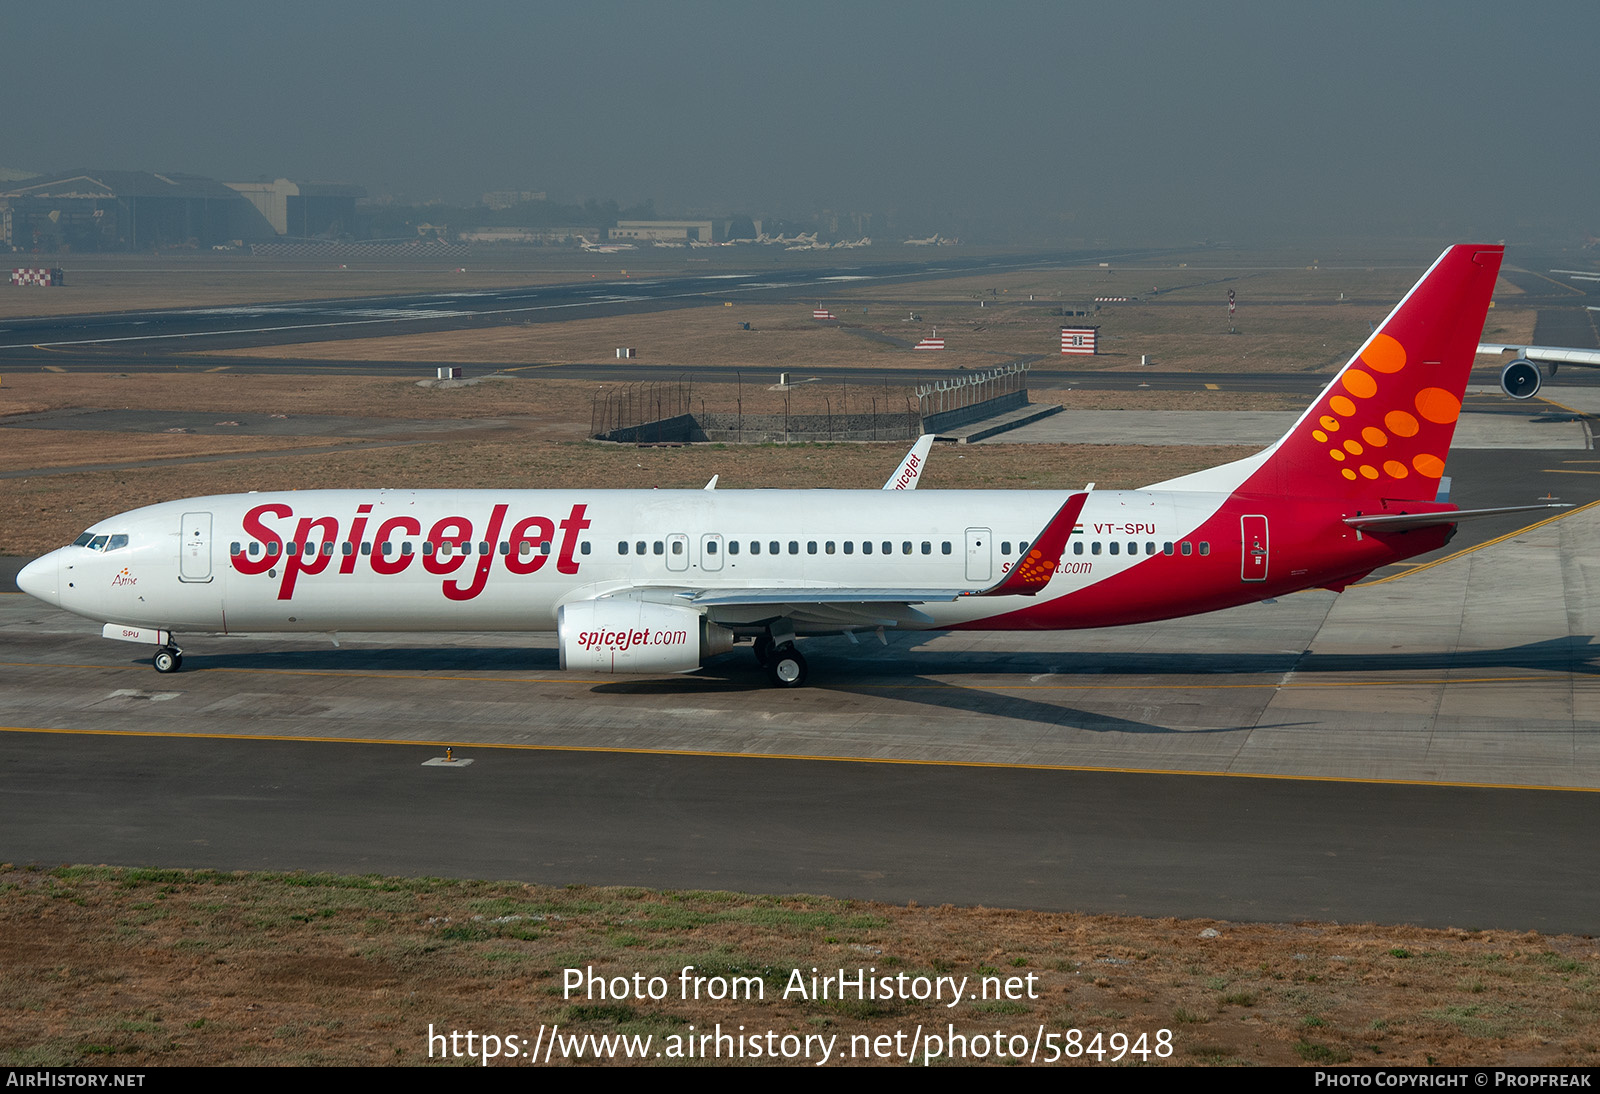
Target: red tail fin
{"type": "Point", "coordinates": [1382, 429]}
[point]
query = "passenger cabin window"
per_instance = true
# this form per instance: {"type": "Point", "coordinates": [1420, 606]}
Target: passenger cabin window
{"type": "Point", "coordinates": [1077, 547]}
{"type": "Point", "coordinates": [733, 546]}
{"type": "Point", "coordinates": [1205, 547]}
{"type": "Point", "coordinates": [1188, 548]}
{"type": "Point", "coordinates": [659, 547]}
{"type": "Point", "coordinates": [622, 547]}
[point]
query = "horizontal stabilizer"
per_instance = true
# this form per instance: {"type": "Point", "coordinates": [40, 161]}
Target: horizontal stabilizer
{"type": "Point", "coordinates": [1405, 522]}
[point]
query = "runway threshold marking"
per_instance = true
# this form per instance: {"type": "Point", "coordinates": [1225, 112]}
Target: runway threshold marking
{"type": "Point", "coordinates": [890, 761]}
{"type": "Point", "coordinates": [1479, 546]}
{"type": "Point", "coordinates": [1273, 683]}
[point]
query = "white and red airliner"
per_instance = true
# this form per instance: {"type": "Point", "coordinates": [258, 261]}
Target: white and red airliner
{"type": "Point", "coordinates": [656, 581]}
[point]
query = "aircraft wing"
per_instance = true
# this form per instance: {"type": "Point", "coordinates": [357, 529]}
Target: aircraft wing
{"type": "Point", "coordinates": [1027, 578]}
{"type": "Point", "coordinates": [910, 470]}
{"type": "Point", "coordinates": [1555, 355]}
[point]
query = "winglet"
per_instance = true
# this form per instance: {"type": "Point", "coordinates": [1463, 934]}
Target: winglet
{"type": "Point", "coordinates": [910, 470]}
{"type": "Point", "coordinates": [1038, 566]}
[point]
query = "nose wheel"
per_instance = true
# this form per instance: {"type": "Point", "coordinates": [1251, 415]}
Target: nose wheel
{"type": "Point", "coordinates": [168, 659]}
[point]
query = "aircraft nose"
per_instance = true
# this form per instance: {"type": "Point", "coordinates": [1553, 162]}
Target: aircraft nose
{"type": "Point", "coordinates": [40, 579]}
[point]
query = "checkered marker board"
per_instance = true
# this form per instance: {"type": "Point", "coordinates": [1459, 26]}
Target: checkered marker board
{"type": "Point", "coordinates": [37, 276]}
{"type": "Point", "coordinates": [930, 343]}
{"type": "Point", "coordinates": [822, 313]}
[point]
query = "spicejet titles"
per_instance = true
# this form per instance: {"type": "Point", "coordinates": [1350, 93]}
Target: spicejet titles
{"type": "Point", "coordinates": [310, 549]}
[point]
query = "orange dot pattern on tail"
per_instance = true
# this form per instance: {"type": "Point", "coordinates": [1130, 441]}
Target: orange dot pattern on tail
{"type": "Point", "coordinates": [1363, 400]}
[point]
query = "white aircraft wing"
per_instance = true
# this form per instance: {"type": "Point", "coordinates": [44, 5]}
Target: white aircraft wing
{"type": "Point", "coordinates": [1557, 355]}
{"type": "Point", "coordinates": [910, 470]}
{"type": "Point", "coordinates": [1522, 377]}
{"type": "Point", "coordinates": [833, 605]}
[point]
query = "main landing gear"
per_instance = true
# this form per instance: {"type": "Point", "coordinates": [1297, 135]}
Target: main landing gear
{"type": "Point", "coordinates": [786, 668]}
{"type": "Point", "coordinates": [168, 659]}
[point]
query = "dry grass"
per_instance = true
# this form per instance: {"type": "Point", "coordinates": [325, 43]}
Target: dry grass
{"type": "Point", "coordinates": [132, 968]}
{"type": "Point", "coordinates": [30, 449]}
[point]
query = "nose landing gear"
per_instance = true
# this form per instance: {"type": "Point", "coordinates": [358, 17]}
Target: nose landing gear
{"type": "Point", "coordinates": [168, 659]}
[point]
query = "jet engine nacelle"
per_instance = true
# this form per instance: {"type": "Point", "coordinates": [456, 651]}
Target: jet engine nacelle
{"type": "Point", "coordinates": [628, 635]}
{"type": "Point", "coordinates": [1521, 379]}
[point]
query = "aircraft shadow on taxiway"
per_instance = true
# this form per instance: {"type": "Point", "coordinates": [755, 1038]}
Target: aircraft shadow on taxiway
{"type": "Point", "coordinates": [926, 678]}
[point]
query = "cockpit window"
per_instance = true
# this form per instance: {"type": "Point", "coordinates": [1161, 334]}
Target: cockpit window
{"type": "Point", "coordinates": [101, 543]}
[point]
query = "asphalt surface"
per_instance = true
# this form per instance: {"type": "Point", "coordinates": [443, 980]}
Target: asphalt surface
{"type": "Point", "coordinates": [1155, 845]}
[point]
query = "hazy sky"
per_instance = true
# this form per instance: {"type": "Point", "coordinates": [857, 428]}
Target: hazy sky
{"type": "Point", "coordinates": [1127, 120]}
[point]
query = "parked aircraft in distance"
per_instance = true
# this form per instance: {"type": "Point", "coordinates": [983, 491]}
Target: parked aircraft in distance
{"type": "Point", "coordinates": [656, 581]}
{"type": "Point", "coordinates": [1522, 377]}
{"type": "Point", "coordinates": [605, 248]}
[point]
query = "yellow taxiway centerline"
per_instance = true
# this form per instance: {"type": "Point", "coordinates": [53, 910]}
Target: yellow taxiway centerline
{"type": "Point", "coordinates": [709, 754]}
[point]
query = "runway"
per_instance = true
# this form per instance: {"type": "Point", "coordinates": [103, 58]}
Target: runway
{"type": "Point", "coordinates": [186, 330]}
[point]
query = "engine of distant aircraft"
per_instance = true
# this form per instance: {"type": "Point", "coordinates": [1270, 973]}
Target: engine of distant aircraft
{"type": "Point", "coordinates": [1521, 379]}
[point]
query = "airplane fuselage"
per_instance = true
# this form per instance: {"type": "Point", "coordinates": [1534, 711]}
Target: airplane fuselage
{"type": "Point", "coordinates": [356, 560]}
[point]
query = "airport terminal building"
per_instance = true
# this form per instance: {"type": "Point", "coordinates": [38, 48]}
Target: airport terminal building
{"type": "Point", "coordinates": [140, 210]}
